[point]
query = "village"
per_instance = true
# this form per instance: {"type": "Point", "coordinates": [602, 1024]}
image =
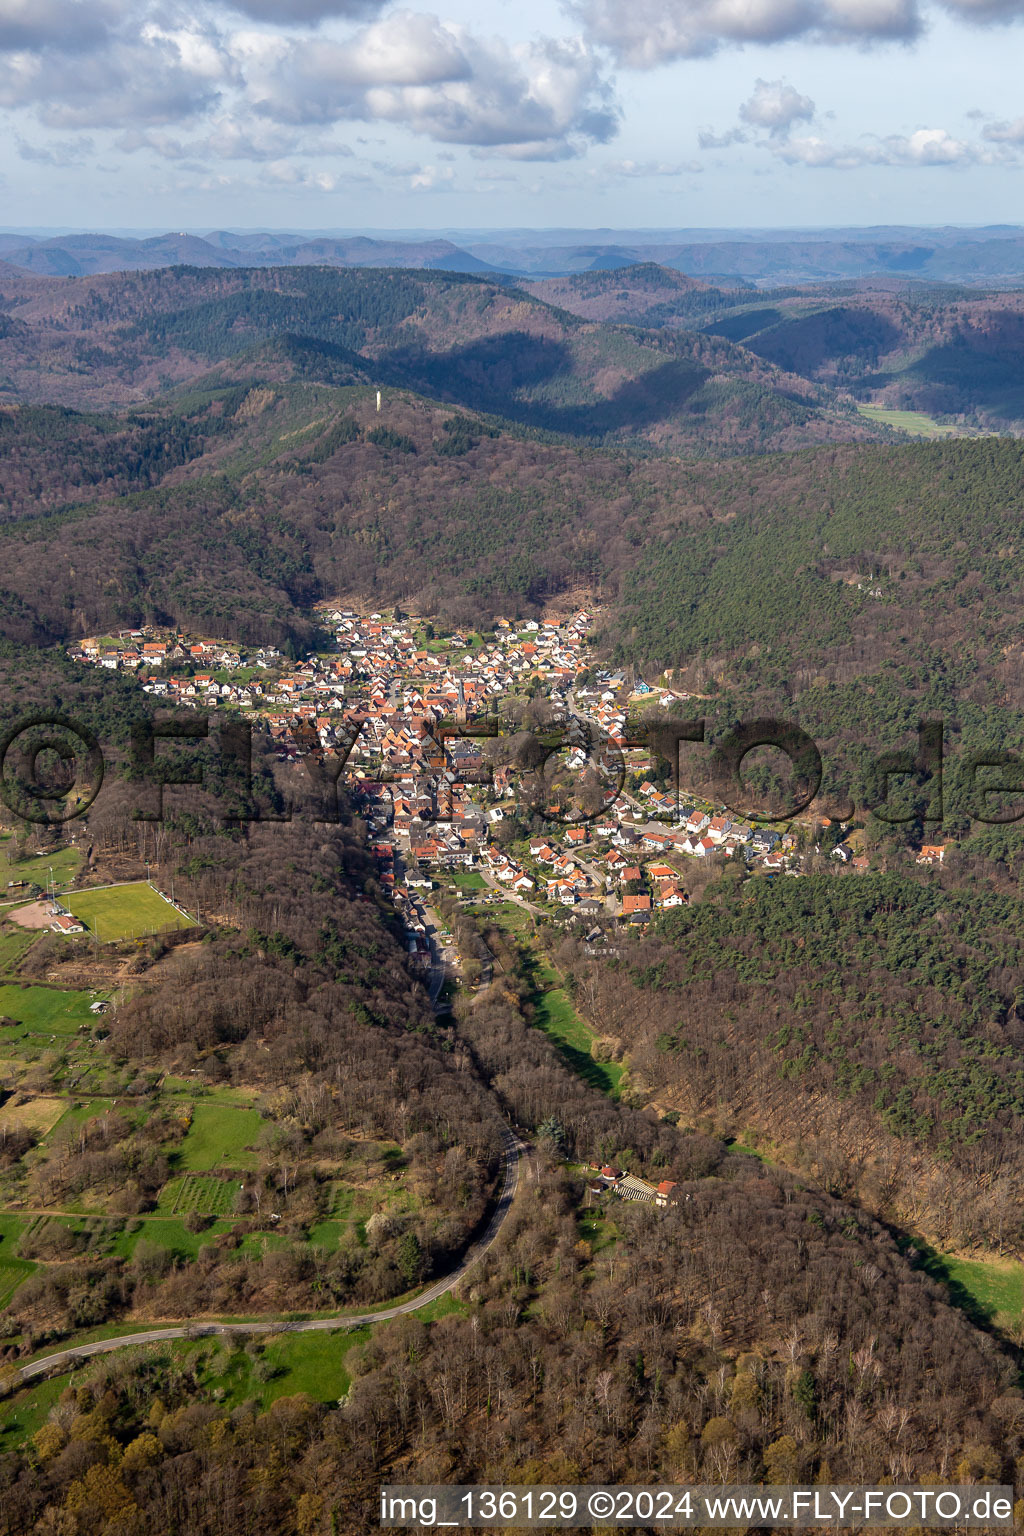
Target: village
{"type": "Point", "coordinates": [443, 812]}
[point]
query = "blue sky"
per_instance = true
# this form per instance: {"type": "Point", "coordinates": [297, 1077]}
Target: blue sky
{"type": "Point", "coordinates": [662, 113]}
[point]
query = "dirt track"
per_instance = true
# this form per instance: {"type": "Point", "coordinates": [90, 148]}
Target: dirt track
{"type": "Point", "coordinates": [35, 915]}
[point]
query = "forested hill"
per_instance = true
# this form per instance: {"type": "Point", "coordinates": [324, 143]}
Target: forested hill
{"type": "Point", "coordinates": [645, 294]}
{"type": "Point", "coordinates": [871, 1028]}
{"type": "Point", "coordinates": [832, 560]}
{"type": "Point", "coordinates": [240, 503]}
{"type": "Point", "coordinates": [894, 343]}
{"type": "Point", "coordinates": [118, 339]}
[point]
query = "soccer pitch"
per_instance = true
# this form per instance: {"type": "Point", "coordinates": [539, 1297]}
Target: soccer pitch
{"type": "Point", "coordinates": [125, 911]}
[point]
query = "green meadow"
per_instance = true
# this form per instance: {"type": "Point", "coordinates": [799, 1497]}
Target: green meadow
{"type": "Point", "coordinates": [917, 423]}
{"type": "Point", "coordinates": [220, 1136]}
{"type": "Point", "coordinates": [44, 1010]}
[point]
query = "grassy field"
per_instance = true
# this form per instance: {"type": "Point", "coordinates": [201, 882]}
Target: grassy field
{"type": "Point", "coordinates": [288, 1363]}
{"type": "Point", "coordinates": [219, 1137]}
{"type": "Point", "coordinates": [64, 862]}
{"type": "Point", "coordinates": [44, 1010]}
{"type": "Point", "coordinates": [193, 1088]}
{"type": "Point", "coordinates": [87, 1109]}
{"type": "Point", "coordinates": [13, 944]}
{"type": "Point", "coordinates": [170, 1234]}
{"type": "Point", "coordinates": [508, 916]}
{"type": "Point", "coordinates": [558, 1019]}
{"type": "Point", "coordinates": [469, 880]}
{"type": "Point", "coordinates": [125, 912]}
{"type": "Point", "coordinates": [12, 1269]}
{"type": "Point", "coordinates": [27, 1411]}
{"type": "Point", "coordinates": [328, 1233]}
{"type": "Point", "coordinates": [38, 1113]}
{"type": "Point", "coordinates": [598, 1229]}
{"type": "Point", "coordinates": [311, 1363]}
{"type": "Point", "coordinates": [914, 422]}
{"type": "Point", "coordinates": [990, 1291]}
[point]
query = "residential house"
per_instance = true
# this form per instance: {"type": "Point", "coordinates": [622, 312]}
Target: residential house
{"type": "Point", "coordinates": [932, 853]}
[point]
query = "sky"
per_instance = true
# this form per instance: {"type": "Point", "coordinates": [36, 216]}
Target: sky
{"type": "Point", "coordinates": [487, 114]}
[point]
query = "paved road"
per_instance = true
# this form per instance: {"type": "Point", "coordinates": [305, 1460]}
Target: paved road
{"type": "Point", "coordinates": [441, 955]}
{"type": "Point", "coordinates": [68, 1357]}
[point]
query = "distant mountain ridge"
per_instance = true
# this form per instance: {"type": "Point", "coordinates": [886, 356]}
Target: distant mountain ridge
{"type": "Point", "coordinates": [87, 254]}
{"type": "Point", "coordinates": [991, 255]}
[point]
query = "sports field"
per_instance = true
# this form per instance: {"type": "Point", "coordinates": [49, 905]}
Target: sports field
{"type": "Point", "coordinates": [125, 911]}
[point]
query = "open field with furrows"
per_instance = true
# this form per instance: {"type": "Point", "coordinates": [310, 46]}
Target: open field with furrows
{"type": "Point", "coordinates": [14, 943]}
{"type": "Point", "coordinates": [205, 1194]}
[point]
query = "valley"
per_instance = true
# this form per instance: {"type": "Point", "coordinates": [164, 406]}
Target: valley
{"type": "Point", "coordinates": [411, 1063]}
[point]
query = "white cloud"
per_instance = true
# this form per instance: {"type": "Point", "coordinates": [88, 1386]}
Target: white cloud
{"type": "Point", "coordinates": [142, 75]}
{"type": "Point", "coordinates": [707, 138]}
{"type": "Point", "coordinates": [302, 81]}
{"type": "Point", "coordinates": [986, 11]}
{"type": "Point", "coordinates": [923, 148]}
{"type": "Point", "coordinates": [776, 106]}
{"type": "Point", "coordinates": [927, 146]}
{"type": "Point", "coordinates": [817, 153]}
{"type": "Point", "coordinates": [151, 69]}
{"type": "Point", "coordinates": [66, 26]}
{"type": "Point", "coordinates": [123, 86]}
{"type": "Point", "coordinates": [545, 99]}
{"type": "Point", "coordinates": [773, 106]}
{"type": "Point", "coordinates": [198, 85]}
{"type": "Point", "coordinates": [1005, 133]}
{"type": "Point", "coordinates": [231, 138]}
{"type": "Point", "coordinates": [642, 169]}
{"type": "Point", "coordinates": [646, 33]}
{"type": "Point", "coordinates": [430, 177]}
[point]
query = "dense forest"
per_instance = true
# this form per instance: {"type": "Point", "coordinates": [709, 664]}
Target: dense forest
{"type": "Point", "coordinates": [667, 1354]}
{"type": "Point", "coordinates": [299, 496]}
{"type": "Point", "coordinates": [870, 1029]}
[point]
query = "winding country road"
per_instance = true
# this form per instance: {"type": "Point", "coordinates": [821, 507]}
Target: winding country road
{"type": "Point", "coordinates": [65, 1358]}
